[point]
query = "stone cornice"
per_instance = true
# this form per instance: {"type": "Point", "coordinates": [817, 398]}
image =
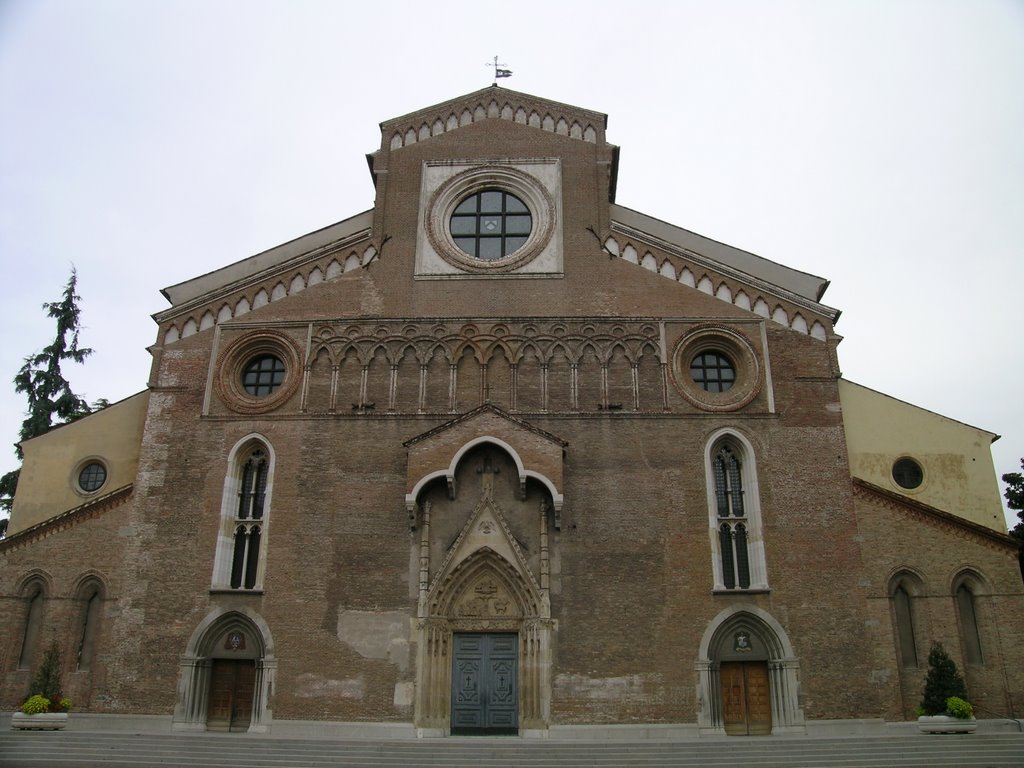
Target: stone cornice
{"type": "Point", "coordinates": [934, 515]}
{"type": "Point", "coordinates": [249, 281]}
{"type": "Point", "coordinates": [67, 519]}
{"type": "Point", "coordinates": [725, 270]}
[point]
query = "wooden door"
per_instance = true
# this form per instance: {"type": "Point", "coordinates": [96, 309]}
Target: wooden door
{"type": "Point", "coordinates": [485, 697]}
{"type": "Point", "coordinates": [232, 684]}
{"type": "Point", "coordinates": [746, 698]}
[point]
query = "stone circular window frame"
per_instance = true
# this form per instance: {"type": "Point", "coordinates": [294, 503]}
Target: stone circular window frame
{"type": "Point", "coordinates": [896, 483]}
{"type": "Point", "coordinates": [452, 192]}
{"type": "Point", "coordinates": [80, 467]}
{"type": "Point", "coordinates": [725, 341]}
{"type": "Point", "coordinates": [240, 353]}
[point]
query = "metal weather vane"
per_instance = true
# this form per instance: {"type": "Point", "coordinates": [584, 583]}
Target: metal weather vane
{"type": "Point", "coordinates": [499, 70]}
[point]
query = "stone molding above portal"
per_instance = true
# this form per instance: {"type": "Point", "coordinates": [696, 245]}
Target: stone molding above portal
{"type": "Point", "coordinates": [435, 454]}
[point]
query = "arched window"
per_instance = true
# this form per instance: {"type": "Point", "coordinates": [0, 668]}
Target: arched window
{"type": "Point", "coordinates": [244, 511]}
{"type": "Point", "coordinates": [905, 637]}
{"type": "Point", "coordinates": [904, 589]}
{"type": "Point", "coordinates": [34, 596]}
{"type": "Point", "coordinates": [90, 597]}
{"type": "Point", "coordinates": [734, 515]}
{"type": "Point", "coordinates": [966, 589]}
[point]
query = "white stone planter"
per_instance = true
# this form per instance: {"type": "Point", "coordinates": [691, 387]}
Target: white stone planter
{"type": "Point", "coordinates": [946, 724]}
{"type": "Point", "coordinates": [47, 721]}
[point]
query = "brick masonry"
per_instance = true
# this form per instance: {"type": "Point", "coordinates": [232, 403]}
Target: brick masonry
{"type": "Point", "coordinates": [631, 582]}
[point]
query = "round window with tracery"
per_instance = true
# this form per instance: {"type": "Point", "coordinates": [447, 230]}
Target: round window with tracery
{"type": "Point", "coordinates": [263, 375]}
{"type": "Point", "coordinates": [259, 372]}
{"type": "Point", "coordinates": [716, 368]}
{"type": "Point", "coordinates": [92, 477]}
{"type": "Point", "coordinates": [491, 224]}
{"type": "Point", "coordinates": [712, 371]}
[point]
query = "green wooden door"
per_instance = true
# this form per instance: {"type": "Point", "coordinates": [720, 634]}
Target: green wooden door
{"type": "Point", "coordinates": [485, 697]}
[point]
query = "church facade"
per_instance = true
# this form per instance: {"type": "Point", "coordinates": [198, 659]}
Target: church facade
{"type": "Point", "coordinates": [500, 455]}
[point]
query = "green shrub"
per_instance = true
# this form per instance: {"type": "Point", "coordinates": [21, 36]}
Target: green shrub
{"type": "Point", "coordinates": [36, 705]}
{"type": "Point", "coordinates": [944, 681]}
{"type": "Point", "coordinates": [958, 708]}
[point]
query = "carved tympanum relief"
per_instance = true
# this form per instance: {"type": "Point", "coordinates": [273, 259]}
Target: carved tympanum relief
{"type": "Point", "coordinates": [486, 598]}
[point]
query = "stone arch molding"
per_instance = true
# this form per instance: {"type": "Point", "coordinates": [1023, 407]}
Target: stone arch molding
{"type": "Point", "coordinates": [448, 473]}
{"type": "Point", "coordinates": [483, 584]}
{"type": "Point", "coordinates": [197, 660]}
{"type": "Point", "coordinates": [771, 644]}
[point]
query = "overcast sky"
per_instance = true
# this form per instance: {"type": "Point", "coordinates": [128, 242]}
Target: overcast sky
{"type": "Point", "coordinates": [877, 144]}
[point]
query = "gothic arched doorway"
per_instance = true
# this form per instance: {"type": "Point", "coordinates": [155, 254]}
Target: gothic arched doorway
{"type": "Point", "coordinates": [484, 618]}
{"type": "Point", "coordinates": [226, 675]}
{"type": "Point", "coordinates": [748, 676]}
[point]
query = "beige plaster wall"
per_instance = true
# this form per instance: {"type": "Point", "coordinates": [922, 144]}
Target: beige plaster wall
{"type": "Point", "coordinates": [959, 476]}
{"type": "Point", "coordinates": [48, 484]}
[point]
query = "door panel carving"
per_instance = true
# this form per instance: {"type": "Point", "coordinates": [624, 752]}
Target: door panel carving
{"type": "Point", "coordinates": [484, 685]}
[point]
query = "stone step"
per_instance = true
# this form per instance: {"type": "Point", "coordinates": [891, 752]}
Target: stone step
{"type": "Point", "coordinates": [85, 750]}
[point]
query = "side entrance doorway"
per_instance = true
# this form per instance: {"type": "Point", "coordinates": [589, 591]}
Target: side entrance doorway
{"type": "Point", "coordinates": [232, 686]}
{"type": "Point", "coordinates": [746, 698]}
{"type": "Point", "coordinates": [485, 691]}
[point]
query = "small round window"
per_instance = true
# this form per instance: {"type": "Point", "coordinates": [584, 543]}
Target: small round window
{"type": "Point", "coordinates": [712, 371]}
{"type": "Point", "coordinates": [491, 224]}
{"type": "Point", "coordinates": [907, 473]}
{"type": "Point", "coordinates": [92, 477]}
{"type": "Point", "coordinates": [263, 375]}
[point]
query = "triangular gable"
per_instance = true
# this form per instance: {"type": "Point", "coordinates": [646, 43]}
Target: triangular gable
{"type": "Point", "coordinates": [486, 532]}
{"type": "Point", "coordinates": [493, 103]}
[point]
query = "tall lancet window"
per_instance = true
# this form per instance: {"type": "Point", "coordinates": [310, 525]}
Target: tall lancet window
{"type": "Point", "coordinates": [735, 517]}
{"type": "Point", "coordinates": [242, 541]}
{"type": "Point", "coordinates": [732, 528]}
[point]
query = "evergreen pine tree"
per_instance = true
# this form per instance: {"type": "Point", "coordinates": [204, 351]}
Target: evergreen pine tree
{"type": "Point", "coordinates": [46, 681]}
{"type": "Point", "coordinates": [944, 680]}
{"type": "Point", "coordinates": [41, 379]}
{"type": "Point", "coordinates": [1014, 494]}
{"type": "Point", "coordinates": [1015, 499]}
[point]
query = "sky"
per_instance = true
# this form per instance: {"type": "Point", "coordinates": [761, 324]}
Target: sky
{"type": "Point", "coordinates": [876, 143]}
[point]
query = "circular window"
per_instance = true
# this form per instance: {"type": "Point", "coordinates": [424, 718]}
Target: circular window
{"type": "Point", "coordinates": [258, 372]}
{"type": "Point", "coordinates": [907, 473]}
{"type": "Point", "coordinates": [263, 375]}
{"type": "Point", "coordinates": [712, 371]}
{"type": "Point", "coordinates": [490, 218]}
{"type": "Point", "coordinates": [491, 224]}
{"type": "Point", "coordinates": [92, 477]}
{"type": "Point", "coordinates": [715, 368]}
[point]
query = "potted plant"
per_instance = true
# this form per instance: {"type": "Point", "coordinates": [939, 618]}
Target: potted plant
{"type": "Point", "coordinates": [944, 707]}
{"type": "Point", "coordinates": [45, 708]}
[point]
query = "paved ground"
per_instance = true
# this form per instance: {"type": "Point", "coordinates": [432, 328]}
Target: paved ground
{"type": "Point", "coordinates": [141, 750]}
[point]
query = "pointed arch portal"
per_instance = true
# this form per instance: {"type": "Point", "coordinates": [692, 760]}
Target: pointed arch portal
{"type": "Point", "coordinates": [226, 675]}
{"type": "Point", "coordinates": [483, 626]}
{"type": "Point", "coordinates": [748, 676]}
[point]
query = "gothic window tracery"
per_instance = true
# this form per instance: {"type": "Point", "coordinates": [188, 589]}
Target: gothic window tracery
{"type": "Point", "coordinates": [246, 504]}
{"type": "Point", "coordinates": [735, 516]}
